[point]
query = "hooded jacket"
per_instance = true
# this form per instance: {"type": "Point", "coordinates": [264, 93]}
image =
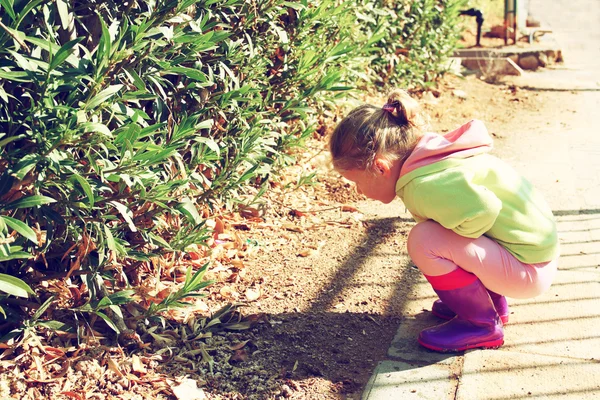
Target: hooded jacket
{"type": "Point", "coordinates": [452, 180]}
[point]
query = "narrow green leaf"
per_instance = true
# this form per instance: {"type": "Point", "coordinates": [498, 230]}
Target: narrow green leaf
{"type": "Point", "coordinates": [4, 96]}
{"type": "Point", "coordinates": [24, 166]}
{"type": "Point", "coordinates": [14, 286]}
{"type": "Point", "coordinates": [160, 241]}
{"type": "Point", "coordinates": [87, 189]}
{"type": "Point", "coordinates": [17, 76]}
{"type": "Point", "coordinates": [55, 326]}
{"type": "Point", "coordinates": [122, 297]}
{"type": "Point", "coordinates": [190, 73]}
{"type": "Point", "coordinates": [211, 144]}
{"type": "Point", "coordinates": [30, 201]}
{"type": "Point", "coordinates": [6, 182]}
{"type": "Point", "coordinates": [19, 36]}
{"type": "Point", "coordinates": [125, 212]}
{"type": "Point", "coordinates": [7, 5]}
{"type": "Point", "coordinates": [103, 303]}
{"type": "Point", "coordinates": [110, 239]}
{"type": "Point", "coordinates": [95, 127]}
{"type": "Point", "coordinates": [10, 139]}
{"type": "Point", "coordinates": [103, 96]}
{"type": "Point", "coordinates": [103, 51]}
{"type": "Point", "coordinates": [30, 6]}
{"type": "Point", "coordinates": [20, 227]}
{"type": "Point", "coordinates": [137, 81]}
{"type": "Point", "coordinates": [295, 6]}
{"type": "Point", "coordinates": [188, 208]}
{"type": "Point", "coordinates": [116, 310]}
{"type": "Point", "coordinates": [23, 62]}
{"type": "Point", "coordinates": [64, 53]}
{"type": "Point", "coordinates": [108, 321]}
{"type": "Point", "coordinates": [15, 255]}
{"type": "Point", "coordinates": [40, 311]}
{"type": "Point", "coordinates": [63, 13]}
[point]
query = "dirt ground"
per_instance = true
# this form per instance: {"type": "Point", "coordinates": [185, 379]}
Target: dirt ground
{"type": "Point", "coordinates": [319, 283]}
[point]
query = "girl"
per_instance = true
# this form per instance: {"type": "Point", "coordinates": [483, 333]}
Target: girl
{"type": "Point", "coordinates": [483, 232]}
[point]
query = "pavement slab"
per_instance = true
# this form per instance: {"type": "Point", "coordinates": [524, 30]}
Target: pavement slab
{"type": "Point", "coordinates": [394, 380]}
{"type": "Point", "coordinates": [552, 342]}
{"type": "Point", "coordinates": [503, 375]}
{"type": "Point", "coordinates": [545, 324]}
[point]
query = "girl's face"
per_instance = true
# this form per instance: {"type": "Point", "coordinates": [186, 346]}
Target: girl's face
{"type": "Point", "coordinates": [379, 185]}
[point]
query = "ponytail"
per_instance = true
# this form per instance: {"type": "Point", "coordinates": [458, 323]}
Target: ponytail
{"type": "Point", "coordinates": [367, 132]}
{"type": "Point", "coordinates": [402, 108]}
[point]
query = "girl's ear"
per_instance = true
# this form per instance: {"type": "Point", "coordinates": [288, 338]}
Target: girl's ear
{"type": "Point", "coordinates": [382, 166]}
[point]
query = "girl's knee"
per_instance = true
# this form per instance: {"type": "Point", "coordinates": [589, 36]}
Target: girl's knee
{"type": "Point", "coordinates": [420, 236]}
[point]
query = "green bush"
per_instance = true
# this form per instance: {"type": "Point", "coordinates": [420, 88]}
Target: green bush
{"type": "Point", "coordinates": [122, 125]}
{"type": "Point", "coordinates": [414, 39]}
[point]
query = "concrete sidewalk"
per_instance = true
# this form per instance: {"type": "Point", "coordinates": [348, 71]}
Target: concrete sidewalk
{"type": "Point", "coordinates": [552, 343]}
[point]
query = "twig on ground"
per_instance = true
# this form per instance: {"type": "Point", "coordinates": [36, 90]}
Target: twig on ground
{"type": "Point", "coordinates": [22, 43]}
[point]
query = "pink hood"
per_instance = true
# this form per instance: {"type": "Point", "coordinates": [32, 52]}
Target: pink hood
{"type": "Point", "coordinates": [470, 139]}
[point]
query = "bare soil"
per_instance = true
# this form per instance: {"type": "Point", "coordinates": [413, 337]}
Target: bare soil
{"type": "Point", "coordinates": [321, 296]}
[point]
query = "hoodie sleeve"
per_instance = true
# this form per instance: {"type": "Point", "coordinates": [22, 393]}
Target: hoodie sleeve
{"type": "Point", "coordinates": [456, 203]}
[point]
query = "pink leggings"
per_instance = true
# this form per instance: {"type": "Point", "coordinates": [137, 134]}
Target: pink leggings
{"type": "Point", "coordinates": [439, 251]}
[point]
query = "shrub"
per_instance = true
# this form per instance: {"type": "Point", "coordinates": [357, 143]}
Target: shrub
{"type": "Point", "coordinates": [123, 125]}
{"type": "Point", "coordinates": [414, 39]}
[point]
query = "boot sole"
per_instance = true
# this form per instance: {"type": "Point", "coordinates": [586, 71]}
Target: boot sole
{"type": "Point", "coordinates": [492, 344]}
{"type": "Point", "coordinates": [504, 318]}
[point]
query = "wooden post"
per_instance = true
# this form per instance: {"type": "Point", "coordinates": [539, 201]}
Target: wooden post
{"type": "Point", "coordinates": [510, 20]}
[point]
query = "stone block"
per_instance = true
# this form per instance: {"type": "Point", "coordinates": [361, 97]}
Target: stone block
{"type": "Point", "coordinates": [405, 345]}
{"type": "Point", "coordinates": [493, 374]}
{"type": "Point", "coordinates": [562, 322]}
{"type": "Point", "coordinates": [492, 66]}
{"type": "Point", "coordinates": [393, 380]}
{"type": "Point", "coordinates": [529, 62]}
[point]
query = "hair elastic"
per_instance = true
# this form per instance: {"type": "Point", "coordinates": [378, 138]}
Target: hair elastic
{"type": "Point", "coordinates": [391, 107]}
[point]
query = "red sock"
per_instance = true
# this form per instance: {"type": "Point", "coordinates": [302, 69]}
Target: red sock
{"type": "Point", "coordinates": [452, 280]}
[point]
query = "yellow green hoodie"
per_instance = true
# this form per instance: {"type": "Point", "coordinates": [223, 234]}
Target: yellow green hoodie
{"type": "Point", "coordinates": [452, 180]}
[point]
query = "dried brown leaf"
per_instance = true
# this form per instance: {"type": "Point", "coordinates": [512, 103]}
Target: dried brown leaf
{"type": "Point", "coordinates": [225, 237]}
{"type": "Point", "coordinates": [228, 292]}
{"type": "Point", "coordinates": [65, 368]}
{"type": "Point", "coordinates": [297, 213]}
{"type": "Point", "coordinates": [75, 295]}
{"type": "Point", "coordinates": [251, 212]}
{"type": "Point", "coordinates": [291, 227]}
{"type": "Point", "coordinates": [73, 395]}
{"type": "Point", "coordinates": [252, 295]}
{"type": "Point", "coordinates": [137, 365]}
{"type": "Point", "coordinates": [219, 226]}
{"type": "Point", "coordinates": [187, 390]}
{"type": "Point", "coordinates": [114, 367]}
{"type": "Point", "coordinates": [241, 226]}
{"type": "Point", "coordinates": [308, 253]}
{"type": "Point", "coordinates": [239, 345]}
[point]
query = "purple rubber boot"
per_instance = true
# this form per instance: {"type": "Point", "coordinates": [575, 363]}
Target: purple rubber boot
{"type": "Point", "coordinates": [476, 325]}
{"type": "Point", "coordinates": [441, 310]}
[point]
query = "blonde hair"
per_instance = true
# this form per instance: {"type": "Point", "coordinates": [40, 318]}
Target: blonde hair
{"type": "Point", "coordinates": [369, 132]}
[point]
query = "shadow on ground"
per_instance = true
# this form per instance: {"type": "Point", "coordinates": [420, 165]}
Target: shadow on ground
{"type": "Point", "coordinates": [344, 348]}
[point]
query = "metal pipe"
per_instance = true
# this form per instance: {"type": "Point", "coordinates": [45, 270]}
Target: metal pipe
{"type": "Point", "coordinates": [473, 12]}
